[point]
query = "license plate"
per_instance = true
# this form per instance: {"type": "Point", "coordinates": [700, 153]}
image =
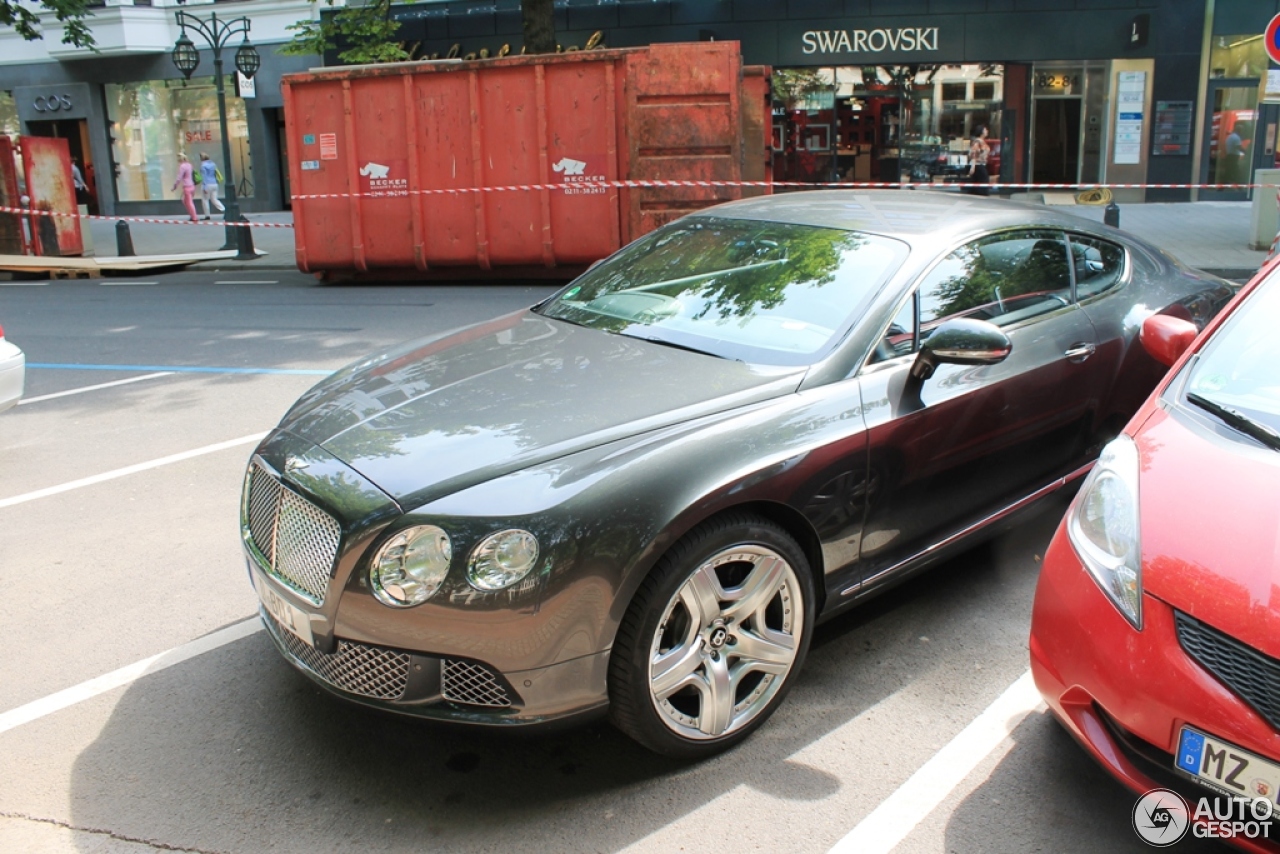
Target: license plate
{"type": "Point", "coordinates": [1228, 767]}
{"type": "Point", "coordinates": [293, 619]}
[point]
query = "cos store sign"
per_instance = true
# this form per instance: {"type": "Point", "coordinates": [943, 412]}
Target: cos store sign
{"type": "Point", "coordinates": [52, 103]}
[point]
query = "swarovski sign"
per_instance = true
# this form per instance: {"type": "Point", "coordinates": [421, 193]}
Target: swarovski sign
{"type": "Point", "coordinates": [900, 39]}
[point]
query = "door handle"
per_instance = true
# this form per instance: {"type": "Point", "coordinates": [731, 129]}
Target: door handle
{"type": "Point", "coordinates": [1080, 352]}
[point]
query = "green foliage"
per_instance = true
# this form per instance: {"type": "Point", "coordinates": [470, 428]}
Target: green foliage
{"type": "Point", "coordinates": [70, 13]}
{"type": "Point", "coordinates": [790, 85]}
{"type": "Point", "coordinates": [367, 33]}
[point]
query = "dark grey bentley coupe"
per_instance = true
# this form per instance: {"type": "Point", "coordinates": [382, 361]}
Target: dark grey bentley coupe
{"type": "Point", "coordinates": [640, 495]}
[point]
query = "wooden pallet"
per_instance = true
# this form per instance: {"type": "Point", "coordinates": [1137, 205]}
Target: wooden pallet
{"type": "Point", "coordinates": [90, 268]}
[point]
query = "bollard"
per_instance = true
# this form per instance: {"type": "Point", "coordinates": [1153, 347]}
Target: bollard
{"type": "Point", "coordinates": [244, 242]}
{"type": "Point", "coordinates": [124, 240]}
{"type": "Point", "coordinates": [1111, 216]}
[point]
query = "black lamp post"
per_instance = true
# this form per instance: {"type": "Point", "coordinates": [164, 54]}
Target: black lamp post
{"type": "Point", "coordinates": [187, 58]}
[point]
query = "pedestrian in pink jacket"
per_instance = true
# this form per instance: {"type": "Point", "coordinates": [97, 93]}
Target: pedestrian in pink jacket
{"type": "Point", "coordinates": [186, 179]}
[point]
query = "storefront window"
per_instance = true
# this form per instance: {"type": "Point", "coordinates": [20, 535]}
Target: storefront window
{"type": "Point", "coordinates": [1237, 56]}
{"type": "Point", "coordinates": [882, 124]}
{"type": "Point", "coordinates": [9, 125]}
{"type": "Point", "coordinates": [153, 121]}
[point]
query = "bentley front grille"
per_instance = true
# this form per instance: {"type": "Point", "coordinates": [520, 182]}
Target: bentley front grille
{"type": "Point", "coordinates": [1251, 674]}
{"type": "Point", "coordinates": [472, 684]}
{"type": "Point", "coordinates": [370, 671]}
{"type": "Point", "coordinates": [298, 540]}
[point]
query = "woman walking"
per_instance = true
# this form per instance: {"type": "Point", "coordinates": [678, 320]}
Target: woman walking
{"type": "Point", "coordinates": [979, 151]}
{"type": "Point", "coordinates": [187, 181]}
{"type": "Point", "coordinates": [210, 178]}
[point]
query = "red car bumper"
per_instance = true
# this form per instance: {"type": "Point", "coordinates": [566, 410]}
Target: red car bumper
{"type": "Point", "coordinates": [1125, 694]}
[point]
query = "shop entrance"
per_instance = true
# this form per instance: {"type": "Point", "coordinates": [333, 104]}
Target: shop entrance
{"type": "Point", "coordinates": [1229, 134]}
{"type": "Point", "coordinates": [1055, 146]}
{"type": "Point", "coordinates": [76, 133]}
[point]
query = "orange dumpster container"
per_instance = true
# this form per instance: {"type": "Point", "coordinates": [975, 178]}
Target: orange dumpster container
{"type": "Point", "coordinates": [450, 169]}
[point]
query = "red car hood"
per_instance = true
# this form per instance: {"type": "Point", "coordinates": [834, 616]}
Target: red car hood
{"type": "Point", "coordinates": [1211, 528]}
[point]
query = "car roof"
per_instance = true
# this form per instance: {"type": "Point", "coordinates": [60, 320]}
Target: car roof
{"type": "Point", "coordinates": [907, 215]}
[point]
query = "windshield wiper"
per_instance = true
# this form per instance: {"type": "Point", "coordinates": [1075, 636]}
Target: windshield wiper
{"type": "Point", "coordinates": [666, 343]}
{"type": "Point", "coordinates": [1238, 420]}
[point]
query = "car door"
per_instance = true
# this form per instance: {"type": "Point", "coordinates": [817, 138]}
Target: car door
{"type": "Point", "coordinates": [972, 440]}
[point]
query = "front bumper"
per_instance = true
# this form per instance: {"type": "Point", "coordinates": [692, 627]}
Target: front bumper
{"type": "Point", "coordinates": [445, 688]}
{"type": "Point", "coordinates": [1124, 694]}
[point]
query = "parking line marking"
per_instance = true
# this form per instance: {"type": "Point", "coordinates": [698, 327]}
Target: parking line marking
{"type": "Point", "coordinates": [125, 675]}
{"type": "Point", "coordinates": [896, 816]}
{"type": "Point", "coordinates": [23, 284]}
{"type": "Point", "coordinates": [184, 369]}
{"type": "Point", "coordinates": [104, 283]}
{"type": "Point", "coordinates": [127, 470]}
{"type": "Point", "coordinates": [247, 282]}
{"type": "Point", "coordinates": [93, 387]}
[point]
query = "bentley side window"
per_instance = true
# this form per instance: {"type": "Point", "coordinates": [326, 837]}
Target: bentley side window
{"type": "Point", "coordinates": [1005, 278]}
{"type": "Point", "coordinates": [900, 338]}
{"type": "Point", "coordinates": [1098, 265]}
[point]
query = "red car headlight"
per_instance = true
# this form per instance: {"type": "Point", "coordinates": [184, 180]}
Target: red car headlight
{"type": "Point", "coordinates": [1103, 527]}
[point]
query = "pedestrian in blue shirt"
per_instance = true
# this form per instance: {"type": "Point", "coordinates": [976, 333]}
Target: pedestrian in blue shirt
{"type": "Point", "coordinates": [210, 178]}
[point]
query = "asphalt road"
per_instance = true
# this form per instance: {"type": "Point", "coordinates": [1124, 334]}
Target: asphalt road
{"type": "Point", "coordinates": [119, 491]}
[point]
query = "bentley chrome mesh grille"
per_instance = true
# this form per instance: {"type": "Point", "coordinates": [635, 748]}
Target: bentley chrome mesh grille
{"type": "Point", "coordinates": [472, 684]}
{"type": "Point", "coordinates": [370, 671]}
{"type": "Point", "coordinates": [1251, 674]}
{"type": "Point", "coordinates": [297, 538]}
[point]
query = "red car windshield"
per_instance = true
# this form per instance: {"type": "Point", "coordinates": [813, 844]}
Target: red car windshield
{"type": "Point", "coordinates": [1239, 369]}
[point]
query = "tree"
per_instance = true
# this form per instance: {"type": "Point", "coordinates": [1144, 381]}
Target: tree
{"type": "Point", "coordinates": [367, 32]}
{"type": "Point", "coordinates": [70, 13]}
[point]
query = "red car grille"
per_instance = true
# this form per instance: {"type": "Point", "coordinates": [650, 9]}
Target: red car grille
{"type": "Point", "coordinates": [1254, 676]}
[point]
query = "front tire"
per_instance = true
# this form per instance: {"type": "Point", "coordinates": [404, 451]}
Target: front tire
{"type": "Point", "coordinates": [713, 638]}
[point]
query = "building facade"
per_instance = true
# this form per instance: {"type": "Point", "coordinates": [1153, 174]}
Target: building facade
{"type": "Point", "coordinates": [1074, 92]}
{"type": "Point", "coordinates": [127, 112]}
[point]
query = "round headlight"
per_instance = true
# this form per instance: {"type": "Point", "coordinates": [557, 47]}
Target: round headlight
{"type": "Point", "coordinates": [411, 566]}
{"type": "Point", "coordinates": [502, 559]}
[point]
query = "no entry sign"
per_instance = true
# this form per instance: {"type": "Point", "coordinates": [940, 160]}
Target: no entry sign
{"type": "Point", "coordinates": [1271, 39]}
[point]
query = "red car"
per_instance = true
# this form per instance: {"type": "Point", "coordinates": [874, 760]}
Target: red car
{"type": "Point", "coordinates": [1155, 636]}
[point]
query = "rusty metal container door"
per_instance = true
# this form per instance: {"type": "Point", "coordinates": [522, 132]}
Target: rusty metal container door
{"type": "Point", "coordinates": [684, 123]}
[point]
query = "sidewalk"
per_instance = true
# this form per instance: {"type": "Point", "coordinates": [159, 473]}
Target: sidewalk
{"type": "Point", "coordinates": [180, 236]}
{"type": "Point", "coordinates": [1213, 236]}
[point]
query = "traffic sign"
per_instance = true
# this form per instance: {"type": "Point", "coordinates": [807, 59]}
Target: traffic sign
{"type": "Point", "coordinates": [1271, 39]}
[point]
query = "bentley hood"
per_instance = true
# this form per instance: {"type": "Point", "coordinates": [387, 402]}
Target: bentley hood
{"type": "Point", "coordinates": [436, 416]}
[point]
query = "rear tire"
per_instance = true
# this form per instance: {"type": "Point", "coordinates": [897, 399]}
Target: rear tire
{"type": "Point", "coordinates": [713, 638]}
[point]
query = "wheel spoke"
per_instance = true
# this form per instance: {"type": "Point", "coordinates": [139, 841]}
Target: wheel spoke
{"type": "Point", "coordinates": [758, 589]}
{"type": "Point", "coordinates": [717, 698]}
{"type": "Point", "coordinates": [673, 670]}
{"type": "Point", "coordinates": [768, 651]}
{"type": "Point", "coordinates": [701, 595]}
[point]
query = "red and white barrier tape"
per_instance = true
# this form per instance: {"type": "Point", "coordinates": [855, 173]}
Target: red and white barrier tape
{"type": "Point", "coordinates": [831, 185]}
{"type": "Point", "coordinates": [174, 221]}
{"type": "Point", "coordinates": [645, 185]}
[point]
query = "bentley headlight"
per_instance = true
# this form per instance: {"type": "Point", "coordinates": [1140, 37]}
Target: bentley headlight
{"type": "Point", "coordinates": [411, 566]}
{"type": "Point", "coordinates": [502, 559]}
{"type": "Point", "coordinates": [1103, 527]}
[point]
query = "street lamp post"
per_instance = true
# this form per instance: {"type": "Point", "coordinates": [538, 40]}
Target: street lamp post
{"type": "Point", "coordinates": [186, 57]}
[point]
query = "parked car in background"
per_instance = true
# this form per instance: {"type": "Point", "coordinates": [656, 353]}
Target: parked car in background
{"type": "Point", "coordinates": [12, 373]}
{"type": "Point", "coordinates": [640, 495]}
{"type": "Point", "coordinates": [1154, 636]}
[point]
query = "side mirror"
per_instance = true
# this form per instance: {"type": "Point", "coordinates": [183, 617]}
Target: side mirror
{"type": "Point", "coordinates": [961, 341]}
{"type": "Point", "coordinates": [1166, 338]}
